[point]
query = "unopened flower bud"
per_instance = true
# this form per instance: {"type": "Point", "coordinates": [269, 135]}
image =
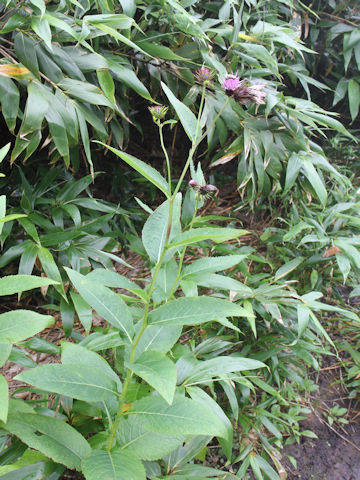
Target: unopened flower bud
{"type": "Point", "coordinates": [158, 112]}
{"type": "Point", "coordinates": [204, 75]}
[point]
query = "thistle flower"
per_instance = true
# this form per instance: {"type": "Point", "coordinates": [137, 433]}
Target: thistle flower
{"type": "Point", "coordinates": [205, 190]}
{"type": "Point", "coordinates": [231, 83]}
{"type": "Point", "coordinates": [204, 75]}
{"type": "Point", "coordinates": [158, 112]}
{"type": "Point", "coordinates": [243, 91]}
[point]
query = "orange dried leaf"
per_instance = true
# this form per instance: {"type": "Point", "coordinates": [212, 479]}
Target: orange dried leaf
{"type": "Point", "coordinates": [329, 252]}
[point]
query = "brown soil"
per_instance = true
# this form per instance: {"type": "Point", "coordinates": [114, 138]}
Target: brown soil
{"type": "Point", "coordinates": [335, 454]}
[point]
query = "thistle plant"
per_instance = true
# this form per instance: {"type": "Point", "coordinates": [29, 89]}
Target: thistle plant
{"type": "Point", "coordinates": [146, 406]}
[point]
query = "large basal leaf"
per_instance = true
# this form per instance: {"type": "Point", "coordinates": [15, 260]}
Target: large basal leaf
{"type": "Point", "coordinates": [156, 226]}
{"type": "Point", "coordinates": [187, 118]}
{"type": "Point", "coordinates": [195, 310]}
{"type": "Point", "coordinates": [114, 465]}
{"type": "Point", "coordinates": [158, 371]}
{"type": "Point", "coordinates": [19, 283]}
{"type": "Point", "coordinates": [143, 168]}
{"type": "Point", "coordinates": [217, 235]}
{"type": "Point", "coordinates": [73, 380]}
{"type": "Point", "coordinates": [18, 325]}
{"type": "Point", "coordinates": [51, 436]}
{"type": "Point", "coordinates": [106, 303]}
{"type": "Point", "coordinates": [184, 417]}
{"type": "Point", "coordinates": [132, 436]}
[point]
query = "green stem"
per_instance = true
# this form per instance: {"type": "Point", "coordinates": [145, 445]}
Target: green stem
{"type": "Point", "coordinates": [182, 255]}
{"type": "Point", "coordinates": [166, 155]}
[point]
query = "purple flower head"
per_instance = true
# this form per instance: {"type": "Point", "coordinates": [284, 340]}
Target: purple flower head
{"type": "Point", "coordinates": [193, 183]}
{"type": "Point", "coordinates": [204, 75]}
{"type": "Point", "coordinates": [158, 112]}
{"type": "Point", "coordinates": [231, 83]}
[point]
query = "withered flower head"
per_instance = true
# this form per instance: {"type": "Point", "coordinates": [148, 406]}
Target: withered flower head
{"type": "Point", "coordinates": [158, 112]}
{"type": "Point", "coordinates": [243, 91]}
{"type": "Point", "coordinates": [205, 190]}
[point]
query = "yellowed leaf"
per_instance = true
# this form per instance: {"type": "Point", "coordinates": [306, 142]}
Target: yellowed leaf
{"type": "Point", "coordinates": [17, 71]}
{"type": "Point", "coordinates": [226, 158]}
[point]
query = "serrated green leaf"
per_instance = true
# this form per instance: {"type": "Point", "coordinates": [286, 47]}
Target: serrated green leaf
{"type": "Point", "coordinates": [212, 264]}
{"type": "Point", "coordinates": [132, 436]}
{"type": "Point", "coordinates": [51, 436]}
{"type": "Point", "coordinates": [75, 380]}
{"type": "Point", "coordinates": [159, 338]}
{"type": "Point", "coordinates": [72, 353]}
{"type": "Point", "coordinates": [19, 283]}
{"type": "Point", "coordinates": [18, 325]}
{"type": "Point", "coordinates": [195, 235]}
{"type": "Point", "coordinates": [184, 417]}
{"type": "Point", "coordinates": [193, 311]}
{"type": "Point", "coordinates": [114, 465]}
{"type": "Point", "coordinates": [158, 371]}
{"type": "Point", "coordinates": [205, 370]}
{"type": "Point", "coordinates": [155, 229]}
